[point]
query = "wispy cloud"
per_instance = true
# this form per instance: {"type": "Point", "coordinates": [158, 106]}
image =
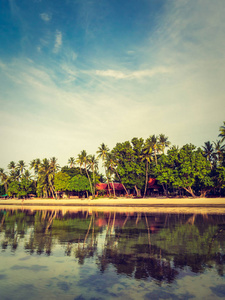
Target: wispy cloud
{"type": "Point", "coordinates": [133, 74]}
{"type": "Point", "coordinates": [45, 17]}
{"type": "Point", "coordinates": [58, 41]}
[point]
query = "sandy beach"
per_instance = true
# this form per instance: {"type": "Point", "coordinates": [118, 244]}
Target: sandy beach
{"type": "Point", "coordinates": [163, 205]}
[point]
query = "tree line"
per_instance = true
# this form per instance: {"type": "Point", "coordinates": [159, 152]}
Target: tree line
{"type": "Point", "coordinates": [180, 171]}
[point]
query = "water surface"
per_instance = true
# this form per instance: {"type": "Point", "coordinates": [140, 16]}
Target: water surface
{"type": "Point", "coordinates": [110, 255]}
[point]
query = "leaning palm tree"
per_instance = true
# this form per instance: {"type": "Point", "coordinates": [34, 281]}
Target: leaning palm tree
{"type": "Point", "coordinates": [71, 162]}
{"type": "Point", "coordinates": [102, 152]}
{"type": "Point", "coordinates": [163, 142]}
{"type": "Point", "coordinates": [4, 179]}
{"type": "Point", "coordinates": [112, 164]}
{"type": "Point", "coordinates": [222, 132]}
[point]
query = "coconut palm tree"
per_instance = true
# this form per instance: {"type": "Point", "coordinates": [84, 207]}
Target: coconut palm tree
{"type": "Point", "coordinates": [110, 168]}
{"type": "Point", "coordinates": [71, 162]}
{"type": "Point", "coordinates": [147, 156]}
{"type": "Point", "coordinates": [21, 166]}
{"type": "Point", "coordinates": [222, 132]}
{"type": "Point", "coordinates": [219, 151]}
{"type": "Point", "coordinates": [93, 165]}
{"type": "Point", "coordinates": [35, 164]}
{"type": "Point", "coordinates": [102, 152]}
{"type": "Point", "coordinates": [208, 152]}
{"type": "Point", "coordinates": [163, 142]}
{"type": "Point", "coordinates": [153, 142]}
{"type": "Point", "coordinates": [12, 165]}
{"type": "Point", "coordinates": [4, 179]}
{"type": "Point", "coordinates": [46, 174]}
{"type": "Point", "coordinates": [111, 165]}
{"type": "Point", "coordinates": [83, 160]}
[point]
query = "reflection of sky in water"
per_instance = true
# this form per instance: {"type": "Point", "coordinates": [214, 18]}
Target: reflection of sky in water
{"type": "Point", "coordinates": [61, 276]}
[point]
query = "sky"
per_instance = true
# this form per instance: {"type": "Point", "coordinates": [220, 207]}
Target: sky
{"type": "Point", "coordinates": [77, 73]}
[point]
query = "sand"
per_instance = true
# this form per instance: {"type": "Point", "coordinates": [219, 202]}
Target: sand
{"type": "Point", "coordinates": [159, 205]}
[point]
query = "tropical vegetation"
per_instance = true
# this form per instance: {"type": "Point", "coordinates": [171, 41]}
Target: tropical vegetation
{"type": "Point", "coordinates": [178, 171]}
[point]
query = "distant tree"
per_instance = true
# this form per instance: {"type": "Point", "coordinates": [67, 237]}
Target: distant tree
{"type": "Point", "coordinates": [191, 165]}
{"type": "Point", "coordinates": [129, 165]}
{"type": "Point", "coordinates": [12, 165]}
{"type": "Point", "coordinates": [163, 142]}
{"type": "Point", "coordinates": [83, 160]}
{"type": "Point", "coordinates": [93, 165]}
{"type": "Point", "coordinates": [21, 166]}
{"type": "Point", "coordinates": [79, 183]}
{"type": "Point", "coordinates": [46, 175]}
{"type": "Point", "coordinates": [13, 189]}
{"type": "Point", "coordinates": [4, 178]}
{"type": "Point", "coordinates": [61, 181]}
{"type": "Point", "coordinates": [147, 157]}
{"type": "Point", "coordinates": [71, 162]}
{"type": "Point", "coordinates": [219, 152]}
{"type": "Point", "coordinates": [70, 171]}
{"type": "Point", "coordinates": [208, 152]}
{"type": "Point", "coordinates": [222, 132]}
{"type": "Point", "coordinates": [102, 152]}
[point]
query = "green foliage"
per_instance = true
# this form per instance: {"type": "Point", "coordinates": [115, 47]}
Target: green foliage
{"type": "Point", "coordinates": [130, 167]}
{"type": "Point", "coordinates": [61, 182]}
{"type": "Point", "coordinates": [2, 190]}
{"type": "Point", "coordinates": [20, 189]}
{"type": "Point", "coordinates": [72, 171]}
{"type": "Point", "coordinates": [79, 183]}
{"type": "Point", "coordinates": [184, 168]}
{"type": "Point", "coordinates": [221, 176]}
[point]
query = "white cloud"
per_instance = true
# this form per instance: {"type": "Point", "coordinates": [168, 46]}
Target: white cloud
{"type": "Point", "coordinates": [45, 17]}
{"type": "Point", "coordinates": [133, 74]}
{"type": "Point", "coordinates": [58, 41]}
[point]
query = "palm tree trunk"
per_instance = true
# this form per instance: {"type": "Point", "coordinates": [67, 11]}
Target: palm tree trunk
{"type": "Point", "coordinates": [113, 189]}
{"type": "Point", "coordinates": [108, 182]}
{"type": "Point", "coordinates": [146, 180]}
{"type": "Point", "coordinates": [89, 180]}
{"type": "Point", "coordinates": [121, 182]}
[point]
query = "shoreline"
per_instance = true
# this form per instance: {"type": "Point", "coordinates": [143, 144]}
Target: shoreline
{"type": "Point", "coordinates": [122, 205]}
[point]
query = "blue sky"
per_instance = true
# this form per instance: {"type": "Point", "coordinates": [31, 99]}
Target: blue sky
{"type": "Point", "coordinates": [76, 73]}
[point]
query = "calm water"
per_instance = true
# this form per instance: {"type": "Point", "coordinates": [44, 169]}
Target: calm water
{"type": "Point", "coordinates": [94, 255]}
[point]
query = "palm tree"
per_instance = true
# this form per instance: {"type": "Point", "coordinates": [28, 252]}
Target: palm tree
{"type": "Point", "coordinates": [71, 162]}
{"type": "Point", "coordinates": [208, 151]}
{"type": "Point", "coordinates": [93, 165]}
{"type": "Point", "coordinates": [83, 160]}
{"type": "Point", "coordinates": [27, 175]}
{"type": "Point", "coordinates": [46, 174]}
{"type": "Point", "coordinates": [35, 164]}
{"type": "Point", "coordinates": [219, 151]}
{"type": "Point", "coordinates": [4, 178]}
{"type": "Point", "coordinates": [110, 168]}
{"type": "Point", "coordinates": [147, 157]}
{"type": "Point", "coordinates": [111, 165]}
{"type": "Point", "coordinates": [222, 132]}
{"type": "Point", "coordinates": [163, 142]}
{"type": "Point", "coordinates": [21, 166]}
{"type": "Point", "coordinates": [12, 165]}
{"type": "Point", "coordinates": [153, 142]}
{"type": "Point", "coordinates": [102, 152]}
